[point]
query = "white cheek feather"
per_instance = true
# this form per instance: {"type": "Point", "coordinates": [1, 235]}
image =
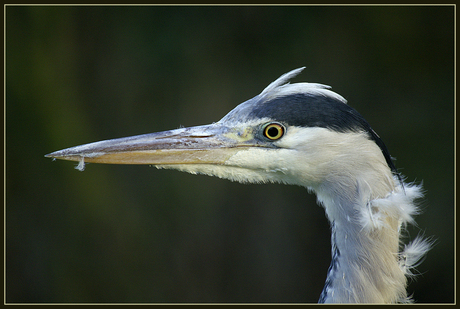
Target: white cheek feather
{"type": "Point", "coordinates": [236, 172]}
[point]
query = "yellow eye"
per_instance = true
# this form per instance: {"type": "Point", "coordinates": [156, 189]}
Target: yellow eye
{"type": "Point", "coordinates": [273, 131]}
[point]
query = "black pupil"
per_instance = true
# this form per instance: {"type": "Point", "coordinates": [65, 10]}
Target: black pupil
{"type": "Point", "coordinates": [272, 132]}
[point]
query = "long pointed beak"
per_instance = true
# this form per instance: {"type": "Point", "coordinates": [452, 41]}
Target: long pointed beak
{"type": "Point", "coordinates": [210, 144]}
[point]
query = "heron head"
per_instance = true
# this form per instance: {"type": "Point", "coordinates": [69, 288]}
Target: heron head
{"type": "Point", "coordinates": [300, 133]}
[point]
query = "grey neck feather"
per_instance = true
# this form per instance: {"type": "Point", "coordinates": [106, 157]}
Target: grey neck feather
{"type": "Point", "coordinates": [365, 262]}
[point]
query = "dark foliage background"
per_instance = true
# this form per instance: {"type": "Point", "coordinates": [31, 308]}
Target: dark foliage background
{"type": "Point", "coordinates": [77, 74]}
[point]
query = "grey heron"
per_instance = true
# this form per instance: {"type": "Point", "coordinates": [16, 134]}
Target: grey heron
{"type": "Point", "coordinates": [301, 134]}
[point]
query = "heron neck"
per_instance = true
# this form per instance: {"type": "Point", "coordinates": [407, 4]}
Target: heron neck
{"type": "Point", "coordinates": [365, 246]}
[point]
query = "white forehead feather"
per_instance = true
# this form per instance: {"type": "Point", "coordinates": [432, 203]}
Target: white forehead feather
{"type": "Point", "coordinates": [281, 87]}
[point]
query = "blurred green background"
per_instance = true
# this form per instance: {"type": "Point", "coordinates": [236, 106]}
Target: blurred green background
{"type": "Point", "coordinates": [78, 74]}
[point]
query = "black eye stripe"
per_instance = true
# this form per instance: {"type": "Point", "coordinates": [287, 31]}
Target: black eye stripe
{"type": "Point", "coordinates": [273, 131]}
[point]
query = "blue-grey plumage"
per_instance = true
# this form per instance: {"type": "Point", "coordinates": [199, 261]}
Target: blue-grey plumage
{"type": "Point", "coordinates": [302, 134]}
